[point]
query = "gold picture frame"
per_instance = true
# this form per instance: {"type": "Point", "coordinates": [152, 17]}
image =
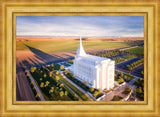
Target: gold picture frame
{"type": "Point", "coordinates": [10, 9]}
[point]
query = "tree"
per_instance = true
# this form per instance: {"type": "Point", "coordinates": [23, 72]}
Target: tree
{"type": "Point", "coordinates": [50, 74]}
{"type": "Point", "coordinates": [99, 91]}
{"type": "Point", "coordinates": [61, 93]}
{"type": "Point", "coordinates": [44, 75]}
{"type": "Point", "coordinates": [85, 83]}
{"type": "Point", "coordinates": [125, 77]}
{"type": "Point", "coordinates": [51, 90]}
{"type": "Point", "coordinates": [57, 72]}
{"type": "Point", "coordinates": [95, 94]}
{"type": "Point", "coordinates": [57, 78]}
{"type": "Point", "coordinates": [38, 96]}
{"type": "Point", "coordinates": [62, 67]}
{"type": "Point", "coordinates": [120, 80]}
{"type": "Point", "coordinates": [142, 72]}
{"type": "Point", "coordinates": [60, 89]}
{"type": "Point", "coordinates": [42, 85]}
{"type": "Point", "coordinates": [47, 83]}
{"type": "Point", "coordinates": [27, 75]}
{"type": "Point", "coordinates": [129, 74]}
{"type": "Point", "coordinates": [140, 89]}
{"type": "Point", "coordinates": [31, 83]}
{"type": "Point", "coordinates": [91, 89]}
{"type": "Point", "coordinates": [57, 88]}
{"type": "Point", "coordinates": [33, 69]}
{"type": "Point", "coordinates": [121, 74]}
{"type": "Point", "coordinates": [127, 90]}
{"type": "Point", "coordinates": [116, 98]}
{"type": "Point", "coordinates": [34, 88]}
{"type": "Point", "coordinates": [61, 85]}
{"type": "Point", "coordinates": [52, 65]}
{"type": "Point", "coordinates": [65, 93]}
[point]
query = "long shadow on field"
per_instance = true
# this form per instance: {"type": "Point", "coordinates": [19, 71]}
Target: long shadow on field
{"type": "Point", "coordinates": [39, 53]}
{"type": "Point", "coordinates": [45, 58]}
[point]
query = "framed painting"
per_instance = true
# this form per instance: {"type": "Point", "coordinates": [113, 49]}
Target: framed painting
{"type": "Point", "coordinates": [80, 58]}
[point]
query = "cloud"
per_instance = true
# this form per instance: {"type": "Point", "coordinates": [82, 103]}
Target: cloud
{"type": "Point", "coordinates": [80, 26]}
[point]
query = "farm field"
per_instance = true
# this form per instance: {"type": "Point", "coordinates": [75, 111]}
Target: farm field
{"type": "Point", "coordinates": [37, 51]}
{"type": "Point", "coordinates": [69, 45]}
{"type": "Point", "coordinates": [137, 50]}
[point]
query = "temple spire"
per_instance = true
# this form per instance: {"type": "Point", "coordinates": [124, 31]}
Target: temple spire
{"type": "Point", "coordinates": [80, 51]}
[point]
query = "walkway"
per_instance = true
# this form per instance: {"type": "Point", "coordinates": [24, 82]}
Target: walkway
{"type": "Point", "coordinates": [37, 88]}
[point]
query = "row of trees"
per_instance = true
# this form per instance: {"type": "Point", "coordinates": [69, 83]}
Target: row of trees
{"type": "Point", "coordinates": [140, 88]}
{"type": "Point", "coordinates": [134, 64]}
{"type": "Point", "coordinates": [37, 95]}
{"type": "Point", "coordinates": [95, 92]}
{"type": "Point", "coordinates": [107, 53]}
{"type": "Point", "coordinates": [121, 77]}
{"type": "Point", "coordinates": [118, 59]}
{"type": "Point", "coordinates": [129, 56]}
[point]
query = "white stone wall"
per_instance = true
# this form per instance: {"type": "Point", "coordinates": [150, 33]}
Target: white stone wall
{"type": "Point", "coordinates": [100, 75]}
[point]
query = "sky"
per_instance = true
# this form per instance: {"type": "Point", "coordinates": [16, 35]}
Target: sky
{"type": "Point", "coordinates": [91, 26]}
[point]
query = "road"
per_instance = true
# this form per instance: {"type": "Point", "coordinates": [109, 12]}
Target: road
{"type": "Point", "coordinates": [23, 90]}
{"type": "Point", "coordinates": [37, 88]}
{"type": "Point", "coordinates": [136, 71]}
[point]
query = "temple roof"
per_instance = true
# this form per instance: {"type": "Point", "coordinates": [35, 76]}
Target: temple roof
{"type": "Point", "coordinates": [81, 55]}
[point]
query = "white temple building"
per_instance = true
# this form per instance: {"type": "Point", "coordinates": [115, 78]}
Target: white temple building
{"type": "Point", "coordinates": [97, 71]}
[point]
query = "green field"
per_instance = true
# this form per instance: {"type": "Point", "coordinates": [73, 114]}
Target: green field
{"type": "Point", "coordinates": [137, 50]}
{"type": "Point", "coordinates": [69, 45]}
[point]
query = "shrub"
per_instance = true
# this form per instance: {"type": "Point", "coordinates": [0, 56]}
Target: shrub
{"type": "Point", "coordinates": [116, 98]}
{"type": "Point", "coordinates": [127, 90]}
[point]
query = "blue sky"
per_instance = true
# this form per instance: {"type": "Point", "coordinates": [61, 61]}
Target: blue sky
{"type": "Point", "coordinates": [92, 26]}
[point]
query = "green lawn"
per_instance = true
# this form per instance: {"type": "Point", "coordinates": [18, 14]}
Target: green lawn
{"type": "Point", "coordinates": [69, 45]}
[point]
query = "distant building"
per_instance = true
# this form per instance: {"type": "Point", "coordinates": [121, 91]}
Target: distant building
{"type": "Point", "coordinates": [97, 71]}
